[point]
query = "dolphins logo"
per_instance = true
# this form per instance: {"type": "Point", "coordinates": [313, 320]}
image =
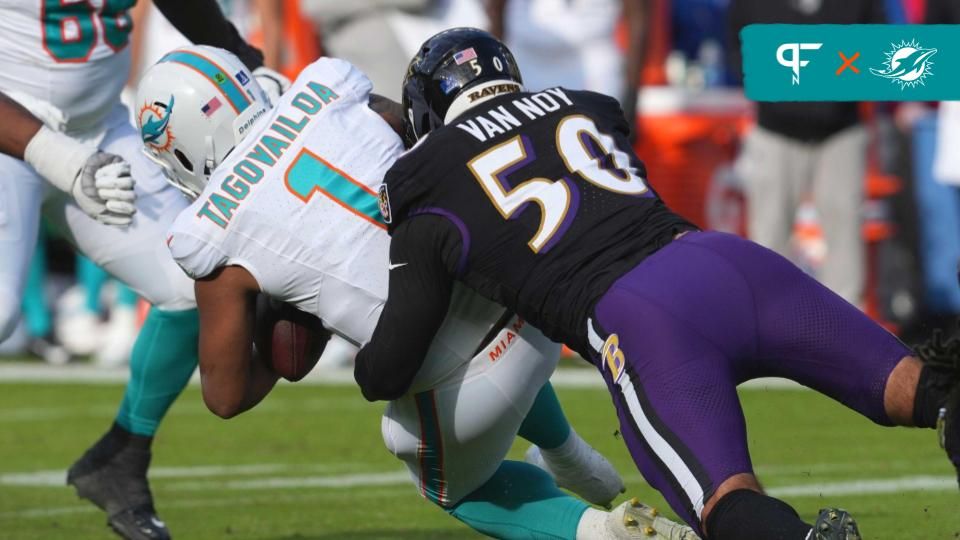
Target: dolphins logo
{"type": "Point", "coordinates": [907, 64]}
{"type": "Point", "coordinates": [155, 125]}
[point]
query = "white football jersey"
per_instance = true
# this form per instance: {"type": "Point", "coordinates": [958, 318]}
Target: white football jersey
{"type": "Point", "coordinates": [296, 205]}
{"type": "Point", "coordinates": [67, 53]}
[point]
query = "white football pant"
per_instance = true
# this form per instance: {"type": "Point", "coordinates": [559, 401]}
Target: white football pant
{"type": "Point", "coordinates": [454, 437]}
{"type": "Point", "coordinates": [136, 255]}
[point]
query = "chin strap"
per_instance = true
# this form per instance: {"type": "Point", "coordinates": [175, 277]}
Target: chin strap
{"type": "Point", "coordinates": [170, 175]}
{"type": "Point", "coordinates": [210, 160]}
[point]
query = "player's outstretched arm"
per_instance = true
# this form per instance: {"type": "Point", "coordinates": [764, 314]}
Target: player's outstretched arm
{"type": "Point", "coordinates": [99, 182]}
{"type": "Point", "coordinates": [417, 302]}
{"type": "Point", "coordinates": [232, 380]}
{"type": "Point", "coordinates": [202, 22]}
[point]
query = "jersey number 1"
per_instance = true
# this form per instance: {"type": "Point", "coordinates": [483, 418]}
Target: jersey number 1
{"type": "Point", "coordinates": [70, 29]}
{"type": "Point", "coordinates": [585, 151]}
{"type": "Point", "coordinates": [310, 174]}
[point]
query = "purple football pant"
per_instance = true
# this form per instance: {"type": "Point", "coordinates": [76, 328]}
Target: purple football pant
{"type": "Point", "coordinates": [676, 335]}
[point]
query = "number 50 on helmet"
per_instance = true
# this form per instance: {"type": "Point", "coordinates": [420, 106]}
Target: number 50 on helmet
{"type": "Point", "coordinates": [193, 107]}
{"type": "Point", "coordinates": [448, 76]}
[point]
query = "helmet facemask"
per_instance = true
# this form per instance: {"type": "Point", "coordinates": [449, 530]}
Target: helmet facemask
{"type": "Point", "coordinates": [214, 102]}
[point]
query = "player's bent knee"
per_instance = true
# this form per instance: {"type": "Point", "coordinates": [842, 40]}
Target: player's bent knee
{"type": "Point", "coordinates": [438, 471]}
{"type": "Point", "coordinates": [167, 289]}
{"type": "Point", "coordinates": [737, 482]}
{"type": "Point", "coordinates": [745, 513]}
{"type": "Point", "coordinates": [399, 431]}
{"type": "Point", "coordinates": [387, 427]}
{"type": "Point", "coordinates": [9, 314]}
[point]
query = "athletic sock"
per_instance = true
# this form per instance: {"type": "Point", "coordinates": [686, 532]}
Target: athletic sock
{"type": "Point", "coordinates": [521, 501]}
{"type": "Point", "coordinates": [593, 524]}
{"type": "Point", "coordinates": [116, 439]}
{"type": "Point", "coordinates": [124, 438]}
{"type": "Point", "coordinates": [567, 455]}
{"type": "Point", "coordinates": [545, 424]}
{"type": "Point", "coordinates": [747, 514]}
{"type": "Point", "coordinates": [115, 442]}
{"type": "Point", "coordinates": [162, 361]}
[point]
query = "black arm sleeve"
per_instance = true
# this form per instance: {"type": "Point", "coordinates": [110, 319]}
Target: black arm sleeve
{"type": "Point", "coordinates": [423, 255]}
{"type": "Point", "coordinates": [202, 22]}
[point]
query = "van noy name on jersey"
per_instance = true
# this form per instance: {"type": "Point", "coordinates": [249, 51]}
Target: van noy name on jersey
{"type": "Point", "coordinates": [500, 120]}
{"type": "Point", "coordinates": [220, 206]}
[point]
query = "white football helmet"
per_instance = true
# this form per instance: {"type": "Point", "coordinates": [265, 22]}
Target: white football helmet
{"type": "Point", "coordinates": [195, 105]}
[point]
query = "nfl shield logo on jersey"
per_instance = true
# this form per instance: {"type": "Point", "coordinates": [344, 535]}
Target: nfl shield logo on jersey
{"type": "Point", "coordinates": [383, 201]}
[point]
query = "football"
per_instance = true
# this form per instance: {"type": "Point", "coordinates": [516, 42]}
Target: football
{"type": "Point", "coordinates": [288, 340]}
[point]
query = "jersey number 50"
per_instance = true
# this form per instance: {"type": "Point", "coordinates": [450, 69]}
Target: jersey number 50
{"type": "Point", "coordinates": [71, 29]}
{"type": "Point", "coordinates": [585, 151]}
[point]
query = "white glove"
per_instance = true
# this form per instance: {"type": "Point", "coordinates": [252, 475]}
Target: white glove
{"type": "Point", "coordinates": [273, 83]}
{"type": "Point", "coordinates": [104, 189]}
{"type": "Point", "coordinates": [99, 182]}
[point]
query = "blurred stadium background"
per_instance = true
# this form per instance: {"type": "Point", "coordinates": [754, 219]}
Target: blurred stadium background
{"type": "Point", "coordinates": [672, 63]}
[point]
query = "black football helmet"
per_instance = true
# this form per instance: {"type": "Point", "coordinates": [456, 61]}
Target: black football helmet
{"type": "Point", "coordinates": [446, 65]}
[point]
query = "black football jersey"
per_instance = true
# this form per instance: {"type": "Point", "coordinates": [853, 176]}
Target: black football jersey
{"type": "Point", "coordinates": [551, 203]}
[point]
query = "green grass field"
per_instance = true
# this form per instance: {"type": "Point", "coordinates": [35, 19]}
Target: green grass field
{"type": "Point", "coordinates": [308, 464]}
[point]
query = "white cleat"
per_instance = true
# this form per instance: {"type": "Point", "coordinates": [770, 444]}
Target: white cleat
{"type": "Point", "coordinates": [589, 475]}
{"type": "Point", "coordinates": [634, 520]}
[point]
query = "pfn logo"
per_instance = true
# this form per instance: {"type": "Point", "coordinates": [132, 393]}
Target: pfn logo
{"type": "Point", "coordinates": [794, 62]}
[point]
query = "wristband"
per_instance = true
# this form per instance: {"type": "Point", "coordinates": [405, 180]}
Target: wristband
{"type": "Point", "coordinates": [57, 157]}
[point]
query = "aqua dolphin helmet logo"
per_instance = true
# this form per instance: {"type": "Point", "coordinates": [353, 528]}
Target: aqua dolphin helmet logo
{"type": "Point", "coordinates": [154, 123]}
{"type": "Point", "coordinates": [907, 64]}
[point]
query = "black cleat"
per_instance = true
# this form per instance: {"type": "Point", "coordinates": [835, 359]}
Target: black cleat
{"type": "Point", "coordinates": [139, 523]}
{"type": "Point", "coordinates": [948, 428]}
{"type": "Point", "coordinates": [942, 358]}
{"type": "Point", "coordinates": [112, 474]}
{"type": "Point", "coordinates": [835, 524]}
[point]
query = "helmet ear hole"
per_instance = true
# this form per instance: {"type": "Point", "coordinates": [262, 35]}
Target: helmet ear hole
{"type": "Point", "coordinates": [183, 159]}
{"type": "Point", "coordinates": [191, 102]}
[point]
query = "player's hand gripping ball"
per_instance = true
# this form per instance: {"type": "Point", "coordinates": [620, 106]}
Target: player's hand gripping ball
{"type": "Point", "coordinates": [288, 340]}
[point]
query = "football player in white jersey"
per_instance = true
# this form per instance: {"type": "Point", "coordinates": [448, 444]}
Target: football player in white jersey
{"type": "Point", "coordinates": [62, 66]}
{"type": "Point", "coordinates": [290, 210]}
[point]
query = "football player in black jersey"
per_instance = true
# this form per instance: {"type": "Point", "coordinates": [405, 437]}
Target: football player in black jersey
{"type": "Point", "coordinates": [536, 200]}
